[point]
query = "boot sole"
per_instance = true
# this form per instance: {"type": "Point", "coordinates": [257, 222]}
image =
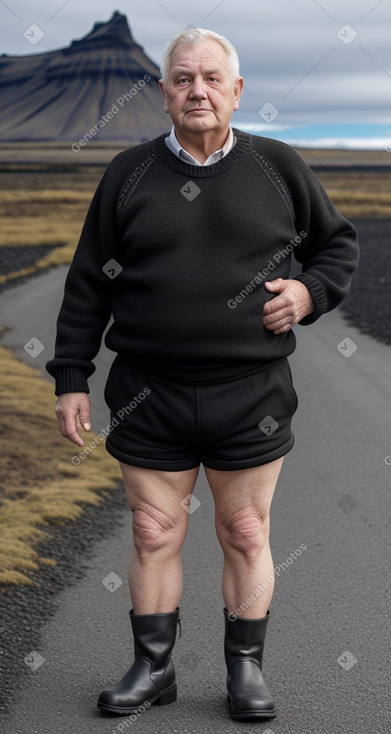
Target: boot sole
{"type": "Point", "coordinates": [252, 714]}
{"type": "Point", "coordinates": [161, 699]}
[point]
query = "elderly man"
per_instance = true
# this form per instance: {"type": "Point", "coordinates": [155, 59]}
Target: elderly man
{"type": "Point", "coordinates": [187, 244]}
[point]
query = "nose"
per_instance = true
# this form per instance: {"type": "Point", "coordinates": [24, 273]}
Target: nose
{"type": "Point", "coordinates": [198, 90]}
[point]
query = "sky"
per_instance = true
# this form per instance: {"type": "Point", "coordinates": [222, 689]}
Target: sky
{"type": "Point", "coordinates": [317, 73]}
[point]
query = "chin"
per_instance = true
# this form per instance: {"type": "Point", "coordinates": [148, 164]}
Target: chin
{"type": "Point", "coordinates": [198, 125]}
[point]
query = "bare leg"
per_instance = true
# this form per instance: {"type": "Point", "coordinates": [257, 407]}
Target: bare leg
{"type": "Point", "coordinates": [242, 503]}
{"type": "Point", "coordinates": [160, 525]}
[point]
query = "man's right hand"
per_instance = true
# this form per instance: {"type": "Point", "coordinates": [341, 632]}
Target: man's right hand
{"type": "Point", "coordinates": [73, 413]}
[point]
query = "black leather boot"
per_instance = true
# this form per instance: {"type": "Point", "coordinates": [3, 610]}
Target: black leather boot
{"type": "Point", "coordinates": [151, 677]}
{"type": "Point", "coordinates": [248, 696]}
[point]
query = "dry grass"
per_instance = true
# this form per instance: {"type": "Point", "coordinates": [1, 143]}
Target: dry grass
{"type": "Point", "coordinates": [45, 217]}
{"type": "Point", "coordinates": [42, 218]}
{"type": "Point", "coordinates": [39, 485]}
{"type": "Point", "coordinates": [361, 204]}
{"type": "Point", "coordinates": [358, 194]}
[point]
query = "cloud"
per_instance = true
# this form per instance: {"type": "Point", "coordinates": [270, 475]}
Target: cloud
{"type": "Point", "coordinates": [291, 53]}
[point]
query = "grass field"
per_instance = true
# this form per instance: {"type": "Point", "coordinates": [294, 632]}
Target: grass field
{"type": "Point", "coordinates": [39, 484]}
{"type": "Point", "coordinates": [39, 208]}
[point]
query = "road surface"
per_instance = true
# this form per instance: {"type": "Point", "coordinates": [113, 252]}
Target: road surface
{"type": "Point", "coordinates": [327, 656]}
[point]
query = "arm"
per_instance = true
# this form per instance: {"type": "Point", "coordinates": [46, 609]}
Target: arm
{"type": "Point", "coordinates": [86, 306]}
{"type": "Point", "coordinates": [329, 253]}
{"type": "Point", "coordinates": [327, 249]}
{"type": "Point", "coordinates": [85, 311]}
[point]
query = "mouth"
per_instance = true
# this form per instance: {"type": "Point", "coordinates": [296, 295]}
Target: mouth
{"type": "Point", "coordinates": [195, 110]}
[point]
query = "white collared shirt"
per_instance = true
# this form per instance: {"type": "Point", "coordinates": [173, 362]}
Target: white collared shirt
{"type": "Point", "coordinates": [174, 145]}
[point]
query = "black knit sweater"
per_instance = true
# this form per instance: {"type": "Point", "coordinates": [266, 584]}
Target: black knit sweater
{"type": "Point", "coordinates": [179, 254]}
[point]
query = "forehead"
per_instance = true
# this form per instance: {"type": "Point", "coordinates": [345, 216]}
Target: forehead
{"type": "Point", "coordinates": [206, 53]}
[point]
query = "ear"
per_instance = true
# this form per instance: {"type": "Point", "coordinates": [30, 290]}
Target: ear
{"type": "Point", "coordinates": [163, 91]}
{"type": "Point", "coordinates": [238, 88]}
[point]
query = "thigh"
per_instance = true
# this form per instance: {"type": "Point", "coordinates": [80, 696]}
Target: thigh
{"type": "Point", "coordinates": [164, 494]}
{"type": "Point", "coordinates": [236, 492]}
{"type": "Point", "coordinates": [153, 421]}
{"type": "Point", "coordinates": [246, 423]}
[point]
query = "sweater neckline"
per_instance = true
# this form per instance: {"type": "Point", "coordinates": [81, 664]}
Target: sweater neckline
{"type": "Point", "coordinates": [241, 147]}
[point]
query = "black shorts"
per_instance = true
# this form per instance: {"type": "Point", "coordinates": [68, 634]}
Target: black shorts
{"type": "Point", "coordinates": [170, 426]}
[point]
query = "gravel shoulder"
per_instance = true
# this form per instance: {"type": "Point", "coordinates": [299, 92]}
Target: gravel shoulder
{"type": "Point", "coordinates": [368, 305]}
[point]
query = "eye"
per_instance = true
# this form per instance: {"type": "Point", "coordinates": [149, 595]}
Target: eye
{"type": "Point", "coordinates": [213, 79]}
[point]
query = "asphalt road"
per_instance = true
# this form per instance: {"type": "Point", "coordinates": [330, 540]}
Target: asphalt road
{"type": "Point", "coordinates": [327, 657]}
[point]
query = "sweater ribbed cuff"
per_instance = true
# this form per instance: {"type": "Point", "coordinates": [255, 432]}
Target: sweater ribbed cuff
{"type": "Point", "coordinates": [318, 295]}
{"type": "Point", "coordinates": [71, 379]}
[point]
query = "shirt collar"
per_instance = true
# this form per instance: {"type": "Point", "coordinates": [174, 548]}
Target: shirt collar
{"type": "Point", "coordinates": [174, 145]}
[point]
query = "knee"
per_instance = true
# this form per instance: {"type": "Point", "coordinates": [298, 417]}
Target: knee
{"type": "Point", "coordinates": [154, 530]}
{"type": "Point", "coordinates": [245, 531]}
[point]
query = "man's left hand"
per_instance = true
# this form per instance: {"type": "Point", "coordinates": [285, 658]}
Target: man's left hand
{"type": "Point", "coordinates": [289, 307]}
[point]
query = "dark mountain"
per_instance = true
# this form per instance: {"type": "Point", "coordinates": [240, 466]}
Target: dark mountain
{"type": "Point", "coordinates": [101, 88]}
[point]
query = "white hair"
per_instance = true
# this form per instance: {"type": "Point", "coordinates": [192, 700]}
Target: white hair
{"type": "Point", "coordinates": [193, 35]}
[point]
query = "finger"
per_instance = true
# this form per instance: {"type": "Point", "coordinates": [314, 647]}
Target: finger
{"type": "Point", "coordinates": [273, 305]}
{"type": "Point", "coordinates": [283, 329]}
{"type": "Point", "coordinates": [279, 315]}
{"type": "Point", "coordinates": [284, 300]}
{"type": "Point", "coordinates": [280, 324]}
{"type": "Point", "coordinates": [71, 431]}
{"type": "Point", "coordinates": [68, 427]}
{"type": "Point", "coordinates": [274, 285]}
{"type": "Point", "coordinates": [75, 438]}
{"type": "Point", "coordinates": [84, 413]}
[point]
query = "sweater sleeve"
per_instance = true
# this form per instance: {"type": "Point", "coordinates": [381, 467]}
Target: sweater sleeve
{"type": "Point", "coordinates": [86, 305]}
{"type": "Point", "coordinates": [328, 250]}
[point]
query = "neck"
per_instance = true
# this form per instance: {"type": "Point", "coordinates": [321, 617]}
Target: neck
{"type": "Point", "coordinates": [202, 144]}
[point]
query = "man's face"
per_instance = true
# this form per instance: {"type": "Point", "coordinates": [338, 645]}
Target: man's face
{"type": "Point", "coordinates": [200, 92]}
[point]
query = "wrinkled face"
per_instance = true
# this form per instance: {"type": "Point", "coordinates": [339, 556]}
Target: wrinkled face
{"type": "Point", "coordinates": [200, 93]}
